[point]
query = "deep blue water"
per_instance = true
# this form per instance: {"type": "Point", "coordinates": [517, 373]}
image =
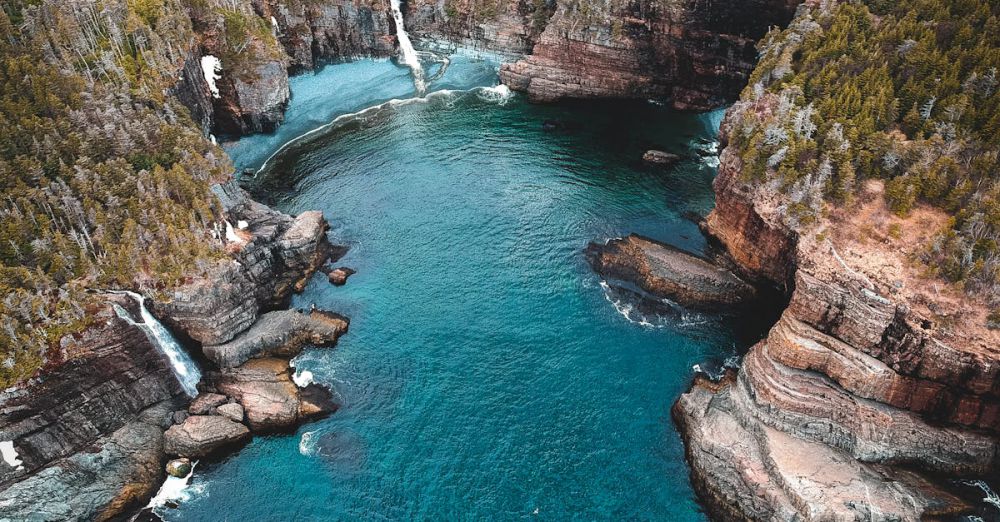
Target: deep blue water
{"type": "Point", "coordinates": [487, 374]}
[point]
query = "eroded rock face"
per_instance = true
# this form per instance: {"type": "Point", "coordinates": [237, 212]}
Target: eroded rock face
{"type": "Point", "coordinates": [112, 374]}
{"type": "Point", "coordinates": [204, 435]}
{"type": "Point", "coordinates": [118, 471]}
{"type": "Point", "coordinates": [696, 54]}
{"type": "Point", "coordinates": [270, 400]}
{"type": "Point", "coordinates": [280, 333]}
{"type": "Point", "coordinates": [312, 32]}
{"type": "Point", "coordinates": [667, 272]}
{"type": "Point", "coordinates": [280, 256]}
{"type": "Point", "coordinates": [855, 406]}
{"type": "Point", "coordinates": [509, 29]}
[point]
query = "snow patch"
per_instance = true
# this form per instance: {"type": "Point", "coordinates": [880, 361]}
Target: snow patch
{"type": "Point", "coordinates": [211, 66]}
{"type": "Point", "coordinates": [231, 235]}
{"type": "Point", "coordinates": [274, 25]}
{"type": "Point", "coordinates": [242, 224]}
{"type": "Point", "coordinates": [9, 454]}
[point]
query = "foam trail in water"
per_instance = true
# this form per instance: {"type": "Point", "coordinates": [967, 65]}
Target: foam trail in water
{"type": "Point", "coordinates": [409, 55]}
{"type": "Point", "coordinates": [499, 94]}
{"type": "Point", "coordinates": [991, 497]}
{"type": "Point", "coordinates": [173, 490]}
{"type": "Point", "coordinates": [184, 367]}
{"type": "Point", "coordinates": [307, 444]}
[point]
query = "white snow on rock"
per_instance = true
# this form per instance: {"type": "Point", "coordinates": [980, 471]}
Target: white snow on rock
{"type": "Point", "coordinates": [211, 66]}
{"type": "Point", "coordinates": [9, 454]}
{"type": "Point", "coordinates": [241, 224]}
{"type": "Point", "coordinates": [231, 235]}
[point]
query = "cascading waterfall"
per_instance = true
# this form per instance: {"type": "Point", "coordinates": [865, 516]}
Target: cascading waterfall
{"type": "Point", "coordinates": [184, 367]}
{"type": "Point", "coordinates": [409, 55]}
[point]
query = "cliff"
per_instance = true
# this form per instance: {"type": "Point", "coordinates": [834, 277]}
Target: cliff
{"type": "Point", "coordinates": [88, 432]}
{"type": "Point", "coordinates": [697, 55]}
{"type": "Point", "coordinates": [112, 184]}
{"type": "Point", "coordinates": [877, 383]}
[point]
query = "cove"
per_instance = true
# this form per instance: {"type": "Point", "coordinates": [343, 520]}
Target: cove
{"type": "Point", "coordinates": [487, 373]}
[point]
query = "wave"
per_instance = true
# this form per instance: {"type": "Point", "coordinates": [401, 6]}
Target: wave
{"type": "Point", "coordinates": [499, 94]}
{"type": "Point", "coordinates": [675, 316]}
{"type": "Point", "coordinates": [175, 490]}
{"type": "Point", "coordinates": [991, 497]}
{"type": "Point", "coordinates": [307, 443]}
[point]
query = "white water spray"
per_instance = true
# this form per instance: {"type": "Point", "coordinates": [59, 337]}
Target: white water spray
{"type": "Point", "coordinates": [184, 367]}
{"type": "Point", "coordinates": [409, 55]}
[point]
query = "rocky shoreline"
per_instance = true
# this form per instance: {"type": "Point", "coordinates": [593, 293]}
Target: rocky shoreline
{"type": "Point", "coordinates": [93, 433]}
{"type": "Point", "coordinates": [856, 405]}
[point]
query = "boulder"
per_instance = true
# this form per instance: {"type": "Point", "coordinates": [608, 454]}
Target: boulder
{"type": "Point", "coordinates": [204, 402]}
{"type": "Point", "coordinates": [338, 277]}
{"type": "Point", "coordinates": [280, 333]}
{"type": "Point", "coordinates": [179, 468]}
{"type": "Point", "coordinates": [232, 411]}
{"type": "Point", "coordinates": [659, 157]}
{"type": "Point", "coordinates": [667, 272]}
{"type": "Point", "coordinates": [204, 435]}
{"type": "Point", "coordinates": [265, 389]}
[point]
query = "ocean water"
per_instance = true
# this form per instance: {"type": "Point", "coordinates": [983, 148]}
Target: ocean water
{"type": "Point", "coordinates": [488, 374]}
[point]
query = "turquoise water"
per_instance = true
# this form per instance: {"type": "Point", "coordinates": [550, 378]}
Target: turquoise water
{"type": "Point", "coordinates": [487, 374]}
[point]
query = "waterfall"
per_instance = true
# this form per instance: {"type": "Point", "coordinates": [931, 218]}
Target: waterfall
{"type": "Point", "coordinates": [409, 55]}
{"type": "Point", "coordinates": [184, 367]}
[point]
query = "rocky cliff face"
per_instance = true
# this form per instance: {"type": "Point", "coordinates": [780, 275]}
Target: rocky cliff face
{"type": "Point", "coordinates": [88, 432]}
{"type": "Point", "coordinates": [273, 255]}
{"type": "Point", "coordinates": [312, 32]}
{"type": "Point", "coordinates": [865, 396]}
{"type": "Point", "coordinates": [696, 54]}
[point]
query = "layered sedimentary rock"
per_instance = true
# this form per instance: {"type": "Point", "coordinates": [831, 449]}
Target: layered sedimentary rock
{"type": "Point", "coordinates": [282, 333]}
{"type": "Point", "coordinates": [274, 254]}
{"type": "Point", "coordinates": [696, 54]}
{"type": "Point", "coordinates": [867, 394]}
{"type": "Point", "coordinates": [88, 432]}
{"type": "Point", "coordinates": [204, 435]}
{"type": "Point", "coordinates": [667, 272]}
{"type": "Point", "coordinates": [509, 29]}
{"type": "Point", "coordinates": [311, 32]}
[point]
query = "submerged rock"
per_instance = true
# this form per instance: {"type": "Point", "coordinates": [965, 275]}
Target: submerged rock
{"type": "Point", "coordinates": [338, 277]}
{"type": "Point", "coordinates": [667, 272]}
{"type": "Point", "coordinates": [659, 157]}
{"type": "Point", "coordinates": [283, 333]}
{"type": "Point", "coordinates": [204, 435]}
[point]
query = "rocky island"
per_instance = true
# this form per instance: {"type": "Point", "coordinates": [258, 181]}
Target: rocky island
{"type": "Point", "coordinates": [856, 181]}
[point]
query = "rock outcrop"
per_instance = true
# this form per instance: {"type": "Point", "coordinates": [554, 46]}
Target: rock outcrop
{"type": "Point", "coordinates": [112, 373]}
{"type": "Point", "coordinates": [696, 54]}
{"type": "Point", "coordinates": [118, 472]}
{"type": "Point", "coordinates": [868, 393]}
{"type": "Point", "coordinates": [270, 400]}
{"type": "Point", "coordinates": [279, 333]}
{"type": "Point", "coordinates": [278, 258]}
{"type": "Point", "coordinates": [667, 272]}
{"type": "Point", "coordinates": [507, 29]}
{"type": "Point", "coordinates": [88, 432]}
{"type": "Point", "coordinates": [312, 32]}
{"type": "Point", "coordinates": [204, 435]}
